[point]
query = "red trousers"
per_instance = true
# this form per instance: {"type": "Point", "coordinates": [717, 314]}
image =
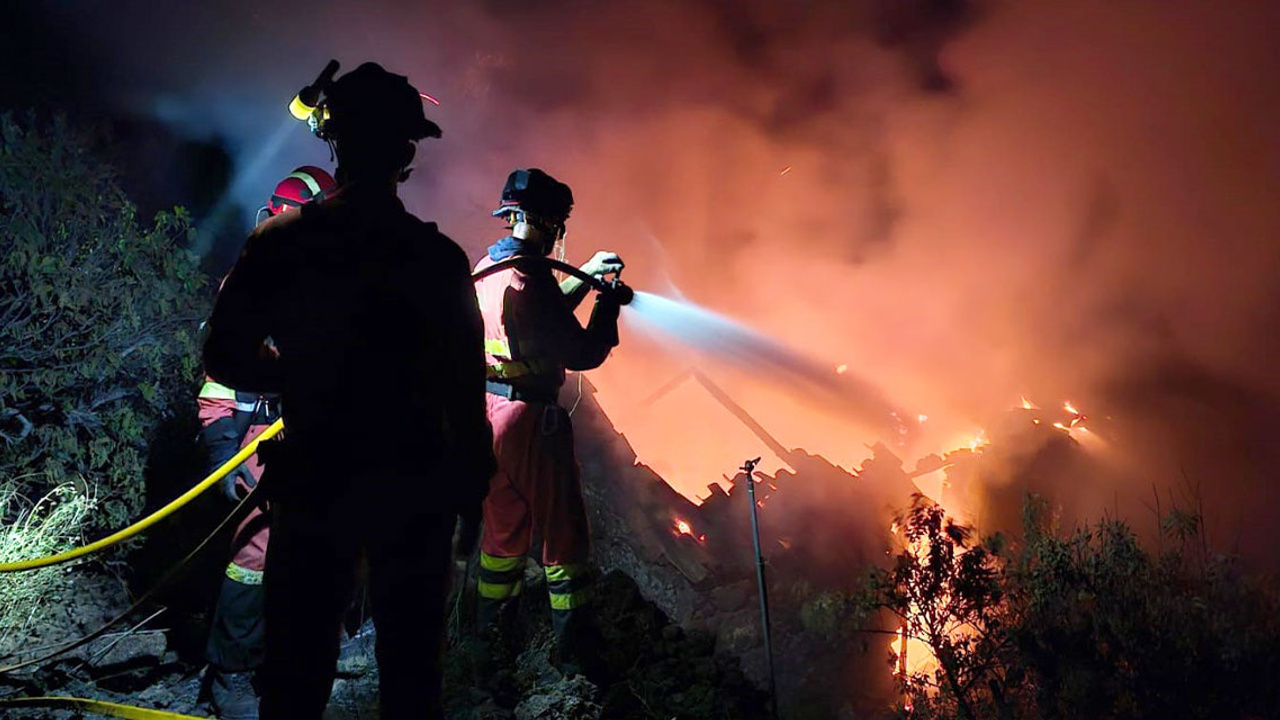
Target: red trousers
{"type": "Point", "coordinates": [249, 544]}
{"type": "Point", "coordinates": [535, 498]}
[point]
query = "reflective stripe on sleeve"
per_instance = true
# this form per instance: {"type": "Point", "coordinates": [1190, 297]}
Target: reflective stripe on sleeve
{"type": "Point", "coordinates": [212, 390]}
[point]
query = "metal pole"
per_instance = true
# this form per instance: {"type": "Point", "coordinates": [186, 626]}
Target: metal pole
{"type": "Point", "coordinates": [749, 467]}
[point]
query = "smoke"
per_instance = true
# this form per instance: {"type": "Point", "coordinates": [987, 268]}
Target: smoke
{"type": "Point", "coordinates": [964, 203]}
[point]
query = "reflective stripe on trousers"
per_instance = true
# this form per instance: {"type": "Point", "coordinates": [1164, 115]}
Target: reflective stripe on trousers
{"type": "Point", "coordinates": [502, 578]}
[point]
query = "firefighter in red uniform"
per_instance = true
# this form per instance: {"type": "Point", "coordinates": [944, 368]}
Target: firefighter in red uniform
{"type": "Point", "coordinates": [230, 420]}
{"type": "Point", "coordinates": [531, 338]}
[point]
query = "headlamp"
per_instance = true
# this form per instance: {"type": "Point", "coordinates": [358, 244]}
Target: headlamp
{"type": "Point", "coordinates": [308, 105]}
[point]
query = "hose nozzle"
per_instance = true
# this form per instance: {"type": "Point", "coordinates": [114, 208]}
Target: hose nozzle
{"type": "Point", "coordinates": [621, 292]}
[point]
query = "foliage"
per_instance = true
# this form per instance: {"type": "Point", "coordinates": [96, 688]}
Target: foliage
{"type": "Point", "coordinates": [50, 525]}
{"type": "Point", "coordinates": [98, 315]}
{"type": "Point", "coordinates": [1084, 625]}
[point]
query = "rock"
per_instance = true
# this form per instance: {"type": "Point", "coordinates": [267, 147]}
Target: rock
{"type": "Point", "coordinates": [567, 699]}
{"type": "Point", "coordinates": [112, 654]}
{"type": "Point", "coordinates": [730, 598]}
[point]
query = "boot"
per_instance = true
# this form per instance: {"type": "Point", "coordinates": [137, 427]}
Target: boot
{"type": "Point", "coordinates": [233, 694]}
{"type": "Point", "coordinates": [579, 646]}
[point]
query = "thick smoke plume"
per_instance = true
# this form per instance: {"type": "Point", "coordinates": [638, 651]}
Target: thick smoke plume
{"type": "Point", "coordinates": [964, 203]}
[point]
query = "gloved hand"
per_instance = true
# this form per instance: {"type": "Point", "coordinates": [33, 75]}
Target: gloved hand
{"type": "Point", "coordinates": [468, 535]}
{"type": "Point", "coordinates": [231, 486]}
{"type": "Point", "coordinates": [603, 263]}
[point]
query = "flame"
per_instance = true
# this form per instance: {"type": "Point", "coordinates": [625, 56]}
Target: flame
{"type": "Point", "coordinates": [898, 647]}
{"type": "Point", "coordinates": [680, 526]}
{"type": "Point", "coordinates": [979, 441]}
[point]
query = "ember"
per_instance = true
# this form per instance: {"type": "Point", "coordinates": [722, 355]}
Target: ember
{"type": "Point", "coordinates": [682, 527]}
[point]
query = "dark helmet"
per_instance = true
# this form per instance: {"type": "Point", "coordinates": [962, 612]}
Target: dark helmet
{"type": "Point", "coordinates": [300, 187]}
{"type": "Point", "coordinates": [373, 102]}
{"type": "Point", "coordinates": [536, 193]}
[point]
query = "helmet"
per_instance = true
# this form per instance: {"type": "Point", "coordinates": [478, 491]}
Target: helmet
{"type": "Point", "coordinates": [303, 185]}
{"type": "Point", "coordinates": [373, 102]}
{"type": "Point", "coordinates": [535, 197]}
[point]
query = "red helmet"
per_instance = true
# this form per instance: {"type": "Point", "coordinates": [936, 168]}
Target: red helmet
{"type": "Point", "coordinates": [303, 185]}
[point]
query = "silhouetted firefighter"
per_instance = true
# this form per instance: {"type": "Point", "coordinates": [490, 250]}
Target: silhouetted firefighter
{"type": "Point", "coordinates": [380, 365]}
{"type": "Point", "coordinates": [230, 419]}
{"type": "Point", "coordinates": [531, 337]}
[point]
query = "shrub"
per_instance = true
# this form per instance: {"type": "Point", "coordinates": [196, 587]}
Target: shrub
{"type": "Point", "coordinates": [1089, 624]}
{"type": "Point", "coordinates": [98, 322]}
{"type": "Point", "coordinates": [49, 525]}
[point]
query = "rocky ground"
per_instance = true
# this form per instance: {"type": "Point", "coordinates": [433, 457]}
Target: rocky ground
{"type": "Point", "coordinates": [649, 667]}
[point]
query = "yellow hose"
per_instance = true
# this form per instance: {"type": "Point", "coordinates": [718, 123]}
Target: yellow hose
{"type": "Point", "coordinates": [99, 707]}
{"type": "Point", "coordinates": [154, 517]}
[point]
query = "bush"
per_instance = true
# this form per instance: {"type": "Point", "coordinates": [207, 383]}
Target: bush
{"type": "Point", "coordinates": [49, 525]}
{"type": "Point", "coordinates": [98, 322]}
{"type": "Point", "coordinates": [1086, 625]}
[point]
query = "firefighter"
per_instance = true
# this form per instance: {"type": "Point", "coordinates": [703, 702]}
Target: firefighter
{"type": "Point", "coordinates": [380, 368]}
{"type": "Point", "coordinates": [230, 419]}
{"type": "Point", "coordinates": [531, 338]}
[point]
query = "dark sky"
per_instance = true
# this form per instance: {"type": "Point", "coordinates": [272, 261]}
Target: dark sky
{"type": "Point", "coordinates": [966, 202]}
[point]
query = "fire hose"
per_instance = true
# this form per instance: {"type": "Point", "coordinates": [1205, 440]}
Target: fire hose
{"type": "Point", "coordinates": [98, 707]}
{"type": "Point", "coordinates": [176, 504]}
{"type": "Point", "coordinates": [620, 292]}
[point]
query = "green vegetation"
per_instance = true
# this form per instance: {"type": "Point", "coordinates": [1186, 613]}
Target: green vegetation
{"type": "Point", "coordinates": [1089, 624]}
{"type": "Point", "coordinates": [98, 322]}
{"type": "Point", "coordinates": [43, 528]}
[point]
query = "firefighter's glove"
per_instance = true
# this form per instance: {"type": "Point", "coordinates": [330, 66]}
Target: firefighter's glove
{"type": "Point", "coordinates": [468, 535]}
{"type": "Point", "coordinates": [603, 263]}
{"type": "Point", "coordinates": [236, 484]}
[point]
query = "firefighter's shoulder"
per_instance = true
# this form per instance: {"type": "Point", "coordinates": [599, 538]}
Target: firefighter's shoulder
{"type": "Point", "coordinates": [437, 247]}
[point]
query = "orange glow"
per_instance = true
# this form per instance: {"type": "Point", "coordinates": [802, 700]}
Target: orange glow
{"type": "Point", "coordinates": [1069, 408]}
{"type": "Point", "coordinates": [842, 369]}
{"type": "Point", "coordinates": [785, 170]}
{"type": "Point", "coordinates": [1027, 405]}
{"type": "Point", "coordinates": [785, 543]}
{"type": "Point", "coordinates": [980, 441]}
{"type": "Point", "coordinates": [1060, 426]}
{"type": "Point", "coordinates": [922, 418]}
{"type": "Point", "coordinates": [680, 526]}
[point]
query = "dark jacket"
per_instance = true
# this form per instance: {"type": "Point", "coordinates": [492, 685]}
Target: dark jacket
{"type": "Point", "coordinates": [380, 365]}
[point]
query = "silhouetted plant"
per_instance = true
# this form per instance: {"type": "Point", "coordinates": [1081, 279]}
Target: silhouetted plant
{"type": "Point", "coordinates": [1085, 625]}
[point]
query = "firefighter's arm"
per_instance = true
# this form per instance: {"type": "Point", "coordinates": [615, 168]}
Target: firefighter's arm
{"type": "Point", "coordinates": [575, 290]}
{"type": "Point", "coordinates": [239, 326]}
{"type": "Point", "coordinates": [560, 335]}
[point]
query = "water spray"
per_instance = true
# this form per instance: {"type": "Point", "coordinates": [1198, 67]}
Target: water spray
{"type": "Point", "coordinates": [729, 341]}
